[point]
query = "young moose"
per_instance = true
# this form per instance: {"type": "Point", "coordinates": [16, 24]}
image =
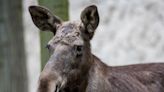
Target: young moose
{"type": "Point", "coordinates": [73, 68]}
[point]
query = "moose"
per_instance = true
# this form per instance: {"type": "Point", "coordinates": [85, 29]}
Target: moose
{"type": "Point", "coordinates": [73, 68]}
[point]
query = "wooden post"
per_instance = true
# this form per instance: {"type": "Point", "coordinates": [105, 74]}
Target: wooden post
{"type": "Point", "coordinates": [13, 74]}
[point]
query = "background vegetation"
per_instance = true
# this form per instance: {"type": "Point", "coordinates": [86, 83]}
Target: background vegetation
{"type": "Point", "coordinates": [59, 8]}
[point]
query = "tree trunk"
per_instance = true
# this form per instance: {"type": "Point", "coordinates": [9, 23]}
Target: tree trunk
{"type": "Point", "coordinates": [59, 8]}
{"type": "Point", "coordinates": [13, 77]}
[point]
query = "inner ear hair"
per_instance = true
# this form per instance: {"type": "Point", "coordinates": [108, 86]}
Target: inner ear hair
{"type": "Point", "coordinates": [90, 19]}
{"type": "Point", "coordinates": [44, 19]}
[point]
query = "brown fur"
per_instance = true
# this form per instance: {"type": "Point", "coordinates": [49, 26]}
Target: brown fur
{"type": "Point", "coordinates": [73, 68]}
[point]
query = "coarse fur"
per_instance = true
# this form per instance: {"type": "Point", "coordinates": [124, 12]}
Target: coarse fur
{"type": "Point", "coordinates": [73, 68]}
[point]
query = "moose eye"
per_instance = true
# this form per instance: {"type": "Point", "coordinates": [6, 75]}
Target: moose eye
{"type": "Point", "coordinates": [78, 49]}
{"type": "Point", "coordinates": [50, 49]}
{"type": "Point", "coordinates": [48, 46]}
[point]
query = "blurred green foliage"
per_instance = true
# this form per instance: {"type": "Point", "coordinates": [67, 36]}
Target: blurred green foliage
{"type": "Point", "coordinates": [60, 9]}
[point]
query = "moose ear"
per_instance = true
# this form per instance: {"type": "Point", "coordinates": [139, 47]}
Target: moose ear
{"type": "Point", "coordinates": [44, 19]}
{"type": "Point", "coordinates": [90, 19]}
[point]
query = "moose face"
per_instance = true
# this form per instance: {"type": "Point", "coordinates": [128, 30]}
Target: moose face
{"type": "Point", "coordinates": [70, 41]}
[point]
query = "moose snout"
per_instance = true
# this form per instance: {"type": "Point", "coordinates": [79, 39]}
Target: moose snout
{"type": "Point", "coordinates": [50, 81]}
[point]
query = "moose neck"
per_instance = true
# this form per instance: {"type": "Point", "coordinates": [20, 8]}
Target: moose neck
{"type": "Point", "coordinates": [87, 58]}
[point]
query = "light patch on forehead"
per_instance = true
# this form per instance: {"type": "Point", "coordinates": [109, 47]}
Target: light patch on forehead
{"type": "Point", "coordinates": [69, 32]}
{"type": "Point", "coordinates": [68, 28]}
